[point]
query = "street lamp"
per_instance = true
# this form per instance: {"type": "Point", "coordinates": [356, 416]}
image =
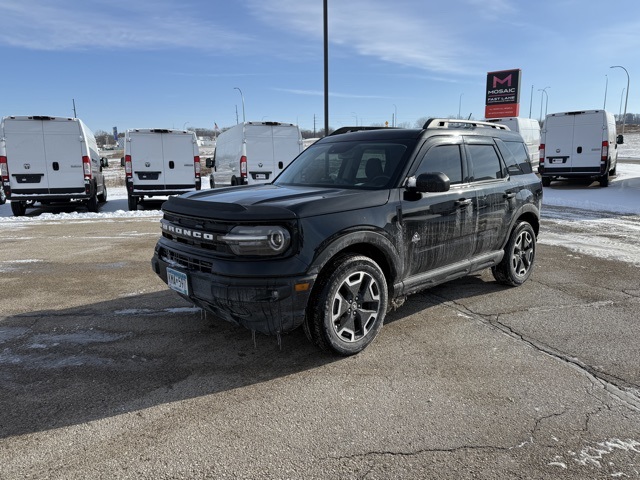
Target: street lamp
{"type": "Point", "coordinates": [543, 90]}
{"type": "Point", "coordinates": [624, 119]}
{"type": "Point", "coordinates": [621, 97]}
{"type": "Point", "coordinates": [460, 105]}
{"type": "Point", "coordinates": [244, 119]}
{"type": "Point", "coordinates": [184, 125]}
{"type": "Point", "coordinates": [395, 115]}
{"type": "Point", "coordinates": [606, 86]}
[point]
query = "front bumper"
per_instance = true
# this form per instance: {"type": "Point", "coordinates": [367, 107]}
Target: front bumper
{"type": "Point", "coordinates": [270, 305]}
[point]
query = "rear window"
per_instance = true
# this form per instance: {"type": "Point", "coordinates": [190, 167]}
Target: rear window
{"type": "Point", "coordinates": [516, 157]}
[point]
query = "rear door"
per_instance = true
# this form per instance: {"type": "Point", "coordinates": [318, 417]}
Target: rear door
{"type": "Point", "coordinates": [178, 150]}
{"type": "Point", "coordinates": [147, 160]}
{"type": "Point", "coordinates": [26, 156]}
{"type": "Point", "coordinates": [261, 166]}
{"type": "Point", "coordinates": [559, 142]}
{"type": "Point", "coordinates": [587, 142]}
{"type": "Point", "coordinates": [286, 146]}
{"type": "Point", "coordinates": [63, 150]}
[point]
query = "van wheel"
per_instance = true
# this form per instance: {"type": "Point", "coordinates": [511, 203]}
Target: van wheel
{"type": "Point", "coordinates": [234, 181]}
{"type": "Point", "coordinates": [18, 208]}
{"type": "Point", "coordinates": [604, 180]}
{"type": "Point", "coordinates": [546, 181]}
{"type": "Point", "coordinates": [519, 254]}
{"type": "Point", "coordinates": [350, 307]}
{"type": "Point", "coordinates": [92, 204]}
{"type": "Point", "coordinates": [133, 203]}
{"type": "Point", "coordinates": [102, 198]}
{"type": "Point", "coordinates": [614, 172]}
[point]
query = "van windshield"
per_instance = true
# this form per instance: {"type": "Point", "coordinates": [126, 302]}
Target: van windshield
{"type": "Point", "coordinates": [361, 165]}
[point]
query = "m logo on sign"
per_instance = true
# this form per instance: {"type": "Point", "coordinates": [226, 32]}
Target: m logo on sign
{"type": "Point", "coordinates": [497, 81]}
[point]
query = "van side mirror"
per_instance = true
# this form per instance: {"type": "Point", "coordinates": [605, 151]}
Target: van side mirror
{"type": "Point", "coordinates": [104, 162]}
{"type": "Point", "coordinates": [620, 139]}
{"type": "Point", "coordinates": [122, 161]}
{"type": "Point", "coordinates": [210, 162]}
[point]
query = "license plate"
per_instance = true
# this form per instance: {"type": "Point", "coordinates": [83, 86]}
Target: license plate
{"type": "Point", "coordinates": [177, 281]}
{"type": "Point", "coordinates": [557, 160]}
{"type": "Point", "coordinates": [261, 176]}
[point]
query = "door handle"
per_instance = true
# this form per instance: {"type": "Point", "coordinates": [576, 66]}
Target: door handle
{"type": "Point", "coordinates": [463, 202]}
{"type": "Point", "coordinates": [509, 195]}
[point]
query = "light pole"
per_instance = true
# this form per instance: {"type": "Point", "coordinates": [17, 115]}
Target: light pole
{"type": "Point", "coordinates": [543, 90]}
{"type": "Point", "coordinates": [624, 119]}
{"type": "Point", "coordinates": [620, 111]}
{"type": "Point", "coordinates": [531, 101]}
{"type": "Point", "coordinates": [395, 115]}
{"type": "Point", "coordinates": [606, 86]}
{"type": "Point", "coordinates": [460, 105]}
{"type": "Point", "coordinates": [244, 119]}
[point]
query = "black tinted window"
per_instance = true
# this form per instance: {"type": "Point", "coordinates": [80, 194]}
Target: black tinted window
{"type": "Point", "coordinates": [485, 162]}
{"type": "Point", "coordinates": [445, 159]}
{"type": "Point", "coordinates": [520, 154]}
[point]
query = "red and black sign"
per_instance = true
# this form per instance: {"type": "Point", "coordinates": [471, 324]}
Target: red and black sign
{"type": "Point", "coordinates": [503, 94]}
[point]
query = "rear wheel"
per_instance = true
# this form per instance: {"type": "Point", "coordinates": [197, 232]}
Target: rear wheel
{"type": "Point", "coordinates": [133, 202]}
{"type": "Point", "coordinates": [350, 307]}
{"type": "Point", "coordinates": [604, 180]}
{"type": "Point", "coordinates": [519, 254]}
{"type": "Point", "coordinates": [546, 181]}
{"type": "Point", "coordinates": [18, 208]}
{"type": "Point", "coordinates": [103, 196]}
{"type": "Point", "coordinates": [92, 203]}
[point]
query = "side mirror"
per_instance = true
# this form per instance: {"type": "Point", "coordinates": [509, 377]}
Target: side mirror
{"type": "Point", "coordinates": [210, 162]}
{"type": "Point", "coordinates": [122, 161]}
{"type": "Point", "coordinates": [104, 162]}
{"type": "Point", "coordinates": [620, 139]}
{"type": "Point", "coordinates": [430, 183]}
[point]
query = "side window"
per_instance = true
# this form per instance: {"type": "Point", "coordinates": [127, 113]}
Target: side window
{"type": "Point", "coordinates": [445, 159]}
{"type": "Point", "coordinates": [521, 154]}
{"type": "Point", "coordinates": [509, 151]}
{"type": "Point", "coordinates": [485, 162]}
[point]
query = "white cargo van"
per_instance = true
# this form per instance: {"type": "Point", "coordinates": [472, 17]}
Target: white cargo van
{"type": "Point", "coordinates": [529, 129]}
{"type": "Point", "coordinates": [254, 152]}
{"type": "Point", "coordinates": [49, 160]}
{"type": "Point", "coordinates": [579, 144]}
{"type": "Point", "coordinates": [160, 162]}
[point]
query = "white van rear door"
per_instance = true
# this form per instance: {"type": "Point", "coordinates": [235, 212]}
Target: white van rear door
{"type": "Point", "coordinates": [559, 142]}
{"type": "Point", "coordinates": [25, 156]}
{"type": "Point", "coordinates": [587, 140]}
{"type": "Point", "coordinates": [286, 146]}
{"type": "Point", "coordinates": [64, 149]}
{"type": "Point", "coordinates": [260, 151]}
{"type": "Point", "coordinates": [146, 159]}
{"type": "Point", "coordinates": [179, 155]}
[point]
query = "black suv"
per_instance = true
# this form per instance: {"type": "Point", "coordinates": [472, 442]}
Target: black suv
{"type": "Point", "coordinates": [358, 221]}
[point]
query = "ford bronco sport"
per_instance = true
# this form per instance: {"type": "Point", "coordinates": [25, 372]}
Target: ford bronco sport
{"type": "Point", "coordinates": [358, 221]}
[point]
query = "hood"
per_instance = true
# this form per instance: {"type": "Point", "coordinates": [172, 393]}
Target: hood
{"type": "Point", "coordinates": [273, 202]}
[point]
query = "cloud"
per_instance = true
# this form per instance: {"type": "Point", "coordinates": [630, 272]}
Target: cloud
{"type": "Point", "coordinates": [400, 32]}
{"type": "Point", "coordinates": [140, 25]}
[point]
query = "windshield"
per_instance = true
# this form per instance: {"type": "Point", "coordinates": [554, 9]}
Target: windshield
{"type": "Point", "coordinates": [355, 164]}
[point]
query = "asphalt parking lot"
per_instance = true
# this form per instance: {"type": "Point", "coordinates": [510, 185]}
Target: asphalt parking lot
{"type": "Point", "coordinates": [107, 374]}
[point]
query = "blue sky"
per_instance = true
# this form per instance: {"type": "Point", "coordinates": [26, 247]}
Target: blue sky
{"type": "Point", "coordinates": [176, 64]}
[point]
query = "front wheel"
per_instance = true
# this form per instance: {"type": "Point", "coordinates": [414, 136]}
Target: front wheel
{"type": "Point", "coordinates": [102, 198]}
{"type": "Point", "coordinates": [519, 254]}
{"type": "Point", "coordinates": [604, 179]}
{"type": "Point", "coordinates": [350, 307]}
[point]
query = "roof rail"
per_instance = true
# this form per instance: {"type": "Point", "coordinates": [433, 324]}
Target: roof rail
{"type": "Point", "coordinates": [455, 123]}
{"type": "Point", "coordinates": [342, 130]}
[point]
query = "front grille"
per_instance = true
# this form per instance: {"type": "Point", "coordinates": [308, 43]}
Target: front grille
{"type": "Point", "coordinates": [195, 232]}
{"type": "Point", "coordinates": [184, 261]}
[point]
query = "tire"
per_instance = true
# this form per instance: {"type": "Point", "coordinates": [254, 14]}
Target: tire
{"type": "Point", "coordinates": [92, 204]}
{"type": "Point", "coordinates": [614, 172]}
{"type": "Point", "coordinates": [102, 198]}
{"type": "Point", "coordinates": [133, 203]}
{"type": "Point", "coordinates": [212, 183]}
{"type": "Point", "coordinates": [519, 256]}
{"type": "Point", "coordinates": [350, 306]}
{"type": "Point", "coordinates": [18, 208]}
{"type": "Point", "coordinates": [3, 198]}
{"type": "Point", "coordinates": [234, 181]}
{"type": "Point", "coordinates": [604, 180]}
{"type": "Point", "coordinates": [546, 181]}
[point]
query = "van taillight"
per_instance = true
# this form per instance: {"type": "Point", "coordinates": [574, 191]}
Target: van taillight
{"type": "Point", "coordinates": [605, 151]}
{"type": "Point", "coordinates": [542, 153]}
{"type": "Point", "coordinates": [127, 166]}
{"type": "Point", "coordinates": [196, 166]}
{"type": "Point", "coordinates": [243, 166]}
{"type": "Point", "coordinates": [4, 170]}
{"type": "Point", "coordinates": [86, 165]}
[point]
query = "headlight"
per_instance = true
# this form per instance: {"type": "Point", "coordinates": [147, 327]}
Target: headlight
{"type": "Point", "coordinates": [266, 240]}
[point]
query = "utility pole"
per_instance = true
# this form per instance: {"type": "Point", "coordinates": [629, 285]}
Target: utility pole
{"type": "Point", "coordinates": [74, 108]}
{"type": "Point", "coordinates": [326, 70]}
